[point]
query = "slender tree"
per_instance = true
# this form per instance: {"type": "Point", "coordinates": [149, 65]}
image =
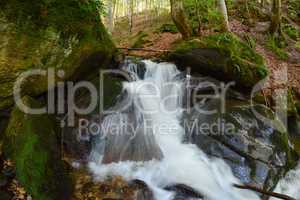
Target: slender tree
{"type": "Point", "coordinates": [179, 18]}
{"type": "Point", "coordinates": [223, 11]}
{"type": "Point", "coordinates": [111, 4]}
{"type": "Point", "coordinates": [276, 17]}
{"type": "Point", "coordinates": [130, 14]}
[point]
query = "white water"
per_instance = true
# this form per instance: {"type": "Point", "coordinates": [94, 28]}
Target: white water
{"type": "Point", "coordinates": [290, 185]}
{"type": "Point", "coordinates": [182, 163]}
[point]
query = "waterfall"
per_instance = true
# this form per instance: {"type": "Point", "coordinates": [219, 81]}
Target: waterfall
{"type": "Point", "coordinates": [290, 184]}
{"type": "Point", "coordinates": [157, 154]}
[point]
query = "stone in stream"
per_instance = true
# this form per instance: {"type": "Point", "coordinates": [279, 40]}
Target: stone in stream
{"type": "Point", "coordinates": [258, 153]}
{"type": "Point", "coordinates": [183, 192]}
{"type": "Point", "coordinates": [143, 192]}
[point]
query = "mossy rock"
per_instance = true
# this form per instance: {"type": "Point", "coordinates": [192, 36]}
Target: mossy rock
{"type": "Point", "coordinates": [65, 35]}
{"type": "Point", "coordinates": [31, 142]}
{"type": "Point", "coordinates": [223, 56]}
{"type": "Point", "coordinates": [259, 153]}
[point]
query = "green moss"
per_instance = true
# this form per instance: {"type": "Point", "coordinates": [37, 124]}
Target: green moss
{"type": "Point", "coordinates": [31, 142]}
{"type": "Point", "coordinates": [66, 35]}
{"type": "Point", "coordinates": [168, 28]}
{"type": "Point", "coordinates": [184, 46]}
{"type": "Point", "coordinates": [244, 65]}
{"type": "Point", "coordinates": [140, 40]}
{"type": "Point", "coordinates": [291, 31]}
{"type": "Point", "coordinates": [69, 16]}
{"type": "Point", "coordinates": [202, 13]}
{"type": "Point", "coordinates": [273, 45]}
{"type": "Point", "coordinates": [232, 44]}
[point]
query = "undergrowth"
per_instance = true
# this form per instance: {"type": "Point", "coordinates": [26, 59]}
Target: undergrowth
{"type": "Point", "coordinates": [276, 47]}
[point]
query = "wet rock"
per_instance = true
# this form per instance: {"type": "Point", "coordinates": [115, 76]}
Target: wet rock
{"type": "Point", "coordinates": [143, 191]}
{"type": "Point", "coordinates": [183, 192]}
{"type": "Point", "coordinates": [136, 65]}
{"type": "Point", "coordinates": [258, 153]}
{"type": "Point", "coordinates": [294, 126]}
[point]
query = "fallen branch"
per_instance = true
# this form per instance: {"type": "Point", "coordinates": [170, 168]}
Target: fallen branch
{"type": "Point", "coordinates": [142, 49]}
{"type": "Point", "coordinates": [270, 194]}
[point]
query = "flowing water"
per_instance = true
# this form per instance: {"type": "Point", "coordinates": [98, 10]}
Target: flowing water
{"type": "Point", "coordinates": [290, 185]}
{"type": "Point", "coordinates": [157, 154]}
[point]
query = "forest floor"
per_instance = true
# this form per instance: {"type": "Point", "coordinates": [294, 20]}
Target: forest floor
{"type": "Point", "coordinates": [163, 41]}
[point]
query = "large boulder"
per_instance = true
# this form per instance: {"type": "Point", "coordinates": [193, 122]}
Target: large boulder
{"type": "Point", "coordinates": [65, 35]}
{"type": "Point", "coordinates": [222, 56]}
{"type": "Point", "coordinates": [31, 141]}
{"type": "Point", "coordinates": [259, 153]}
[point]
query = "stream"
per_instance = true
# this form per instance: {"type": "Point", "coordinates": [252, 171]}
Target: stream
{"type": "Point", "coordinates": [144, 139]}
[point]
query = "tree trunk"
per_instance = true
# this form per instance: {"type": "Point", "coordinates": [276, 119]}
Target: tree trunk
{"type": "Point", "coordinates": [276, 17]}
{"type": "Point", "coordinates": [223, 11]}
{"type": "Point", "coordinates": [180, 19]}
{"type": "Point", "coordinates": [130, 15]}
{"type": "Point", "coordinates": [111, 16]}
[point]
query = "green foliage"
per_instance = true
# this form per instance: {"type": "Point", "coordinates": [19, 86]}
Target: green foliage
{"type": "Point", "coordinates": [251, 41]}
{"type": "Point", "coordinates": [203, 13]}
{"type": "Point", "coordinates": [237, 49]}
{"type": "Point", "coordinates": [248, 11]}
{"type": "Point", "coordinates": [291, 31]}
{"type": "Point", "coordinates": [68, 16]}
{"type": "Point", "coordinates": [247, 64]}
{"type": "Point", "coordinates": [168, 28]}
{"type": "Point", "coordinates": [276, 47]}
{"type": "Point", "coordinates": [185, 46]}
{"type": "Point", "coordinates": [140, 40]}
